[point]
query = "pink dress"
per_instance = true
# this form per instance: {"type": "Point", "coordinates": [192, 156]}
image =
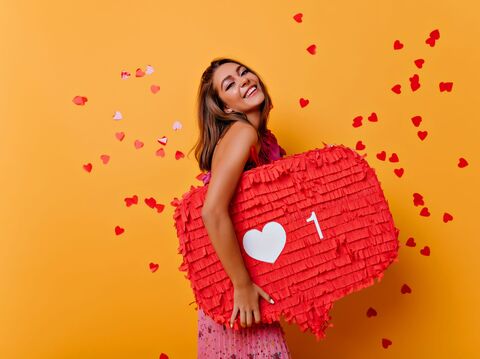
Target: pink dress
{"type": "Point", "coordinates": [217, 341]}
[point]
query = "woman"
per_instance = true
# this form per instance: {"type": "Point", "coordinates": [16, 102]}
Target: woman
{"type": "Point", "coordinates": [233, 108]}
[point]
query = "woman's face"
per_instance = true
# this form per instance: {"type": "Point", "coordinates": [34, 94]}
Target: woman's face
{"type": "Point", "coordinates": [233, 83]}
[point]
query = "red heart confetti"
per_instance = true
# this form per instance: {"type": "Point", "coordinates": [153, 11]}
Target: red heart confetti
{"type": "Point", "coordinates": [447, 217]}
{"type": "Point", "coordinates": [312, 49]}
{"type": "Point", "coordinates": [298, 17]}
{"type": "Point", "coordinates": [151, 202]}
{"type": "Point", "coordinates": [382, 155]}
{"type": "Point", "coordinates": [462, 162]}
{"type": "Point", "coordinates": [153, 267]}
{"type": "Point", "coordinates": [434, 35]}
{"type": "Point", "coordinates": [419, 63]}
{"type": "Point", "coordinates": [119, 230]}
{"type": "Point", "coordinates": [414, 83]}
{"type": "Point", "coordinates": [179, 155]}
{"type": "Point", "coordinates": [425, 251]}
{"type": "Point", "coordinates": [424, 212]}
{"type": "Point", "coordinates": [373, 117]}
{"type": "Point", "coordinates": [411, 242]}
{"type": "Point", "coordinates": [125, 75]}
{"type": "Point", "coordinates": [303, 102]}
{"type": "Point", "coordinates": [79, 100]}
{"type": "Point", "coordinates": [416, 120]}
{"type": "Point", "coordinates": [418, 199]}
{"type": "Point", "coordinates": [445, 86]}
{"type": "Point", "coordinates": [163, 140]}
{"type": "Point", "coordinates": [397, 89]}
{"type": "Point", "coordinates": [131, 200]}
{"type": "Point", "coordinates": [399, 172]}
{"type": "Point", "coordinates": [357, 121]}
{"type": "Point", "coordinates": [159, 207]}
{"type": "Point", "coordinates": [160, 152]}
{"type": "Point", "coordinates": [154, 88]}
{"type": "Point", "coordinates": [139, 73]}
{"type": "Point", "coordinates": [120, 136]}
{"type": "Point", "coordinates": [163, 356]}
{"type": "Point", "coordinates": [397, 45]}
{"type": "Point", "coordinates": [386, 343]}
{"type": "Point", "coordinates": [88, 167]}
{"type": "Point", "coordinates": [405, 289]}
{"type": "Point", "coordinates": [393, 157]}
{"type": "Point", "coordinates": [371, 312]}
{"type": "Point", "coordinates": [105, 158]}
{"type": "Point", "coordinates": [359, 146]}
{"type": "Point", "coordinates": [422, 134]}
{"type": "Point", "coordinates": [138, 144]}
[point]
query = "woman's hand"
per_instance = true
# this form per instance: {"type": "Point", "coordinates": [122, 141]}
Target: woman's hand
{"type": "Point", "coordinates": [245, 301]}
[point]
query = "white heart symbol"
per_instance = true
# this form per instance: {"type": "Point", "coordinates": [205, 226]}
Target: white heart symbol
{"type": "Point", "coordinates": [267, 245]}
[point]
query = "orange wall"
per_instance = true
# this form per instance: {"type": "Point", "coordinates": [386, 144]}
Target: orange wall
{"type": "Point", "coordinates": [71, 288]}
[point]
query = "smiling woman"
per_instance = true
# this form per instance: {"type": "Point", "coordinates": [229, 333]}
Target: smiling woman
{"type": "Point", "coordinates": [233, 109]}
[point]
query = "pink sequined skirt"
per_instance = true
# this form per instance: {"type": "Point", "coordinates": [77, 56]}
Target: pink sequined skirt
{"type": "Point", "coordinates": [217, 341]}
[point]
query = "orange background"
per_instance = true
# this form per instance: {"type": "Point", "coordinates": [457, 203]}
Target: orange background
{"type": "Point", "coordinates": [71, 288]}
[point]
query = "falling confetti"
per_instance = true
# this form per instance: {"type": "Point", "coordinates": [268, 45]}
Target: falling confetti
{"type": "Point", "coordinates": [117, 116]}
{"type": "Point", "coordinates": [79, 100]}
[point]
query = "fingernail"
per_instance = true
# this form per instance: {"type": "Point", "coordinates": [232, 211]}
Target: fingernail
{"type": "Point", "coordinates": [271, 301]}
{"type": "Point", "coordinates": [231, 325]}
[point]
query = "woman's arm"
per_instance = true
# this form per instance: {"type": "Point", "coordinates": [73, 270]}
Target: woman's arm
{"type": "Point", "coordinates": [226, 172]}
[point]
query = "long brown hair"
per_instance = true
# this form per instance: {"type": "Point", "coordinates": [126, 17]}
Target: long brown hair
{"type": "Point", "coordinates": [213, 121]}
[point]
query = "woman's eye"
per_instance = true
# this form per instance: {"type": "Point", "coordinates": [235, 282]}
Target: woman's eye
{"type": "Point", "coordinates": [241, 74]}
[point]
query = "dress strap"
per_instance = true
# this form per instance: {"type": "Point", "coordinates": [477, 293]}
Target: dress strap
{"type": "Point", "coordinates": [254, 155]}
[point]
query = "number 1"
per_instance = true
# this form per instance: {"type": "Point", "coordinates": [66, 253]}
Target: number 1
{"type": "Point", "coordinates": [313, 217]}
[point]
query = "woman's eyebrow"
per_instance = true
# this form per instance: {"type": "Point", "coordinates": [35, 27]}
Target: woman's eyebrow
{"type": "Point", "coordinates": [229, 76]}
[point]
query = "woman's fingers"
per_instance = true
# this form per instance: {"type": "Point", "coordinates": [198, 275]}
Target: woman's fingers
{"type": "Point", "coordinates": [265, 295]}
{"type": "Point", "coordinates": [242, 318]}
{"type": "Point", "coordinates": [249, 318]}
{"type": "Point", "coordinates": [234, 315]}
{"type": "Point", "coordinates": [256, 314]}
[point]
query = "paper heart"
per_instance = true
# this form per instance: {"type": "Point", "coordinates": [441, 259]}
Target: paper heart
{"type": "Point", "coordinates": [139, 73]}
{"type": "Point", "coordinates": [160, 152]}
{"type": "Point", "coordinates": [447, 217]}
{"type": "Point", "coordinates": [79, 100]}
{"type": "Point", "coordinates": [414, 82]}
{"type": "Point", "coordinates": [149, 70]}
{"type": "Point", "coordinates": [117, 115]}
{"type": "Point", "coordinates": [312, 49]}
{"type": "Point", "coordinates": [418, 199]}
{"type": "Point", "coordinates": [359, 146]}
{"type": "Point", "coordinates": [340, 236]}
{"type": "Point", "coordinates": [131, 200]}
{"type": "Point", "coordinates": [179, 155]}
{"type": "Point", "coordinates": [425, 251]}
{"type": "Point", "coordinates": [298, 17]}
{"type": "Point", "coordinates": [405, 289]}
{"type": "Point", "coordinates": [125, 75]}
{"type": "Point", "coordinates": [119, 230]}
{"type": "Point", "coordinates": [411, 242]}
{"type": "Point", "coordinates": [419, 63]}
{"type": "Point", "coordinates": [416, 120]}
{"type": "Point", "coordinates": [371, 312]}
{"type": "Point", "coordinates": [138, 144]}
{"type": "Point", "coordinates": [120, 136]}
{"type": "Point", "coordinates": [399, 172]}
{"type": "Point", "coordinates": [304, 102]}
{"type": "Point", "coordinates": [105, 158]}
{"type": "Point", "coordinates": [159, 207]}
{"type": "Point", "coordinates": [386, 342]}
{"type": "Point", "coordinates": [397, 45]}
{"type": "Point", "coordinates": [397, 89]}
{"type": "Point", "coordinates": [393, 157]}
{"type": "Point", "coordinates": [424, 212]}
{"type": "Point", "coordinates": [373, 117]}
{"type": "Point", "coordinates": [150, 202]}
{"type": "Point", "coordinates": [88, 167]}
{"type": "Point", "coordinates": [382, 155]}
{"type": "Point", "coordinates": [154, 88]}
{"type": "Point", "coordinates": [265, 245]}
{"type": "Point", "coordinates": [462, 162]}
{"type": "Point", "coordinates": [153, 267]}
{"type": "Point", "coordinates": [445, 86]}
{"type": "Point", "coordinates": [163, 140]}
{"type": "Point", "coordinates": [357, 121]}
